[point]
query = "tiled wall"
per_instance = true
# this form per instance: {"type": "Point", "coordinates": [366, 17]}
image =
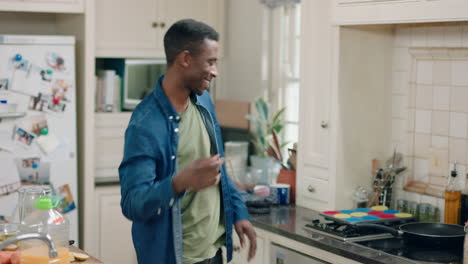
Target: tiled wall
{"type": "Point", "coordinates": [430, 104]}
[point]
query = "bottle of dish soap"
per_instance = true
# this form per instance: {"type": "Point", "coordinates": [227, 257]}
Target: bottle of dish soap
{"type": "Point", "coordinates": [453, 198]}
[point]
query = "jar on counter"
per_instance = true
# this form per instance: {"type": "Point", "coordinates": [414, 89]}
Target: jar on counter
{"type": "Point", "coordinates": [413, 209]}
{"type": "Point", "coordinates": [434, 214]}
{"type": "Point", "coordinates": [423, 212]}
{"type": "Point", "coordinates": [402, 206]}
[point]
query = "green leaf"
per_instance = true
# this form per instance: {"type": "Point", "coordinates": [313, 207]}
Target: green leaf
{"type": "Point", "coordinates": [262, 109]}
{"type": "Point", "coordinates": [276, 119]}
{"type": "Point", "coordinates": [277, 128]}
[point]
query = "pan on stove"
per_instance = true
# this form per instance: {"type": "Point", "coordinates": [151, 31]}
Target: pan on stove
{"type": "Point", "coordinates": [433, 234]}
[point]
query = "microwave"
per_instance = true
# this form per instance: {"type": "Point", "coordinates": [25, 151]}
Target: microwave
{"type": "Point", "coordinates": [140, 77]}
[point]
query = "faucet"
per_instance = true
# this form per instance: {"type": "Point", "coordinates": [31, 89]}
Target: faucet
{"type": "Point", "coordinates": [44, 237]}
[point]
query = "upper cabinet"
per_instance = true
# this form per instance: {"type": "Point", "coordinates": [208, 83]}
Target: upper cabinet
{"type": "Point", "coordinates": [349, 12]}
{"type": "Point", "coordinates": [136, 28]}
{"type": "Point", "coordinates": [49, 6]}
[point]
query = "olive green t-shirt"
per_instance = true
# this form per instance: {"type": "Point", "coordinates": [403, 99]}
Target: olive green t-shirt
{"type": "Point", "coordinates": [202, 222]}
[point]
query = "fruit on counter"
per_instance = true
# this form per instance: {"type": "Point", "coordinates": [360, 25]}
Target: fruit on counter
{"type": "Point", "coordinates": [71, 257]}
{"type": "Point", "coordinates": [76, 256]}
{"type": "Point", "coordinates": [11, 247]}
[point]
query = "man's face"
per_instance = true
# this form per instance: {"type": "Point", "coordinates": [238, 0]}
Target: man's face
{"type": "Point", "coordinates": [203, 69]}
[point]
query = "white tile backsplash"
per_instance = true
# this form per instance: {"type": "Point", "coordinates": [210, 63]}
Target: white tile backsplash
{"type": "Point", "coordinates": [402, 60]}
{"type": "Point", "coordinates": [460, 72]}
{"type": "Point", "coordinates": [440, 142]}
{"type": "Point", "coordinates": [399, 106]}
{"type": "Point", "coordinates": [402, 37]}
{"type": "Point", "coordinates": [458, 125]}
{"type": "Point", "coordinates": [435, 36]}
{"type": "Point", "coordinates": [442, 72]}
{"type": "Point", "coordinates": [440, 123]}
{"type": "Point", "coordinates": [422, 145]}
{"type": "Point", "coordinates": [453, 36]}
{"type": "Point", "coordinates": [459, 99]}
{"type": "Point", "coordinates": [423, 96]}
{"type": "Point", "coordinates": [419, 36]}
{"type": "Point", "coordinates": [457, 153]}
{"type": "Point", "coordinates": [424, 71]}
{"type": "Point", "coordinates": [423, 121]}
{"type": "Point", "coordinates": [436, 90]}
{"type": "Point", "coordinates": [441, 98]}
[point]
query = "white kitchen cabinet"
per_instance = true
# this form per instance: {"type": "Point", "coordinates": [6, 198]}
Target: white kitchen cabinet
{"type": "Point", "coordinates": [265, 249]}
{"type": "Point", "coordinates": [316, 124]}
{"type": "Point", "coordinates": [110, 138]}
{"type": "Point", "coordinates": [239, 254]}
{"type": "Point", "coordinates": [114, 230]}
{"type": "Point", "coordinates": [137, 28]}
{"type": "Point", "coordinates": [45, 6]}
{"type": "Point", "coordinates": [349, 12]}
{"type": "Point", "coordinates": [343, 108]}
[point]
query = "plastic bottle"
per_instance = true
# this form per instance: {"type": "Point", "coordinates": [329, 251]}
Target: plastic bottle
{"type": "Point", "coordinates": [45, 219]}
{"type": "Point", "coordinates": [26, 197]}
{"type": "Point", "coordinates": [453, 199]}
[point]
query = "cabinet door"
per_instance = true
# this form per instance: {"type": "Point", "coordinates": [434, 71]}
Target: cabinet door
{"type": "Point", "coordinates": [127, 28]}
{"type": "Point", "coordinates": [210, 12]}
{"type": "Point", "coordinates": [114, 230]}
{"type": "Point", "coordinates": [239, 255]}
{"type": "Point", "coordinates": [315, 88]}
{"type": "Point", "coordinates": [52, 6]}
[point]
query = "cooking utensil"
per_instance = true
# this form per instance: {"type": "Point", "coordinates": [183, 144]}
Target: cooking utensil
{"type": "Point", "coordinates": [432, 234]}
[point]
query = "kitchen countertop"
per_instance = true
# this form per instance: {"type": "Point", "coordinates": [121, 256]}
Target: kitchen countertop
{"type": "Point", "coordinates": [288, 221]}
{"type": "Point", "coordinates": [91, 260]}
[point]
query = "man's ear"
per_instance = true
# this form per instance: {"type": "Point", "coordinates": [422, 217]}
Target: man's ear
{"type": "Point", "coordinates": [184, 59]}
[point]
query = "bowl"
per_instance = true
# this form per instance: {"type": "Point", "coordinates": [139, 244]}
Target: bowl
{"type": "Point", "coordinates": [246, 179]}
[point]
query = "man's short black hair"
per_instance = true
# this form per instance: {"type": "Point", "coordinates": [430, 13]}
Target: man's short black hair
{"type": "Point", "coordinates": [186, 34]}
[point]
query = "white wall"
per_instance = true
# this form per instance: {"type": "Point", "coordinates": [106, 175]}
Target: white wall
{"type": "Point", "coordinates": [241, 68]}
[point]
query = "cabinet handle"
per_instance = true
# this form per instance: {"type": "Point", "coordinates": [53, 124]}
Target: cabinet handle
{"type": "Point", "coordinates": [155, 24]}
{"type": "Point", "coordinates": [324, 124]}
{"type": "Point", "coordinates": [310, 188]}
{"type": "Point", "coordinates": [163, 24]}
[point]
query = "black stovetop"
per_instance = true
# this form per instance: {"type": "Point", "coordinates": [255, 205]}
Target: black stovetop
{"type": "Point", "coordinates": [400, 247]}
{"type": "Point", "coordinates": [381, 241]}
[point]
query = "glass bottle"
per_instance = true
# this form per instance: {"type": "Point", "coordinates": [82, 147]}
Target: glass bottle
{"type": "Point", "coordinates": [452, 199]}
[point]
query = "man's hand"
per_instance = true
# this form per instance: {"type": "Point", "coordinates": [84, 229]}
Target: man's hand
{"type": "Point", "coordinates": [245, 227]}
{"type": "Point", "coordinates": [198, 175]}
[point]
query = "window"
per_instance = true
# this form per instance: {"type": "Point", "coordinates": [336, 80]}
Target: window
{"type": "Point", "coordinates": [288, 69]}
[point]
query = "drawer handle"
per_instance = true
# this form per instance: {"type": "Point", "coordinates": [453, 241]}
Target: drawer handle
{"type": "Point", "coordinates": [311, 189]}
{"type": "Point", "coordinates": [236, 248]}
{"type": "Point", "coordinates": [155, 24]}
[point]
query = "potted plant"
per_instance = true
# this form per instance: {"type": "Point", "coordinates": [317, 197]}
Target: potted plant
{"type": "Point", "coordinates": [266, 141]}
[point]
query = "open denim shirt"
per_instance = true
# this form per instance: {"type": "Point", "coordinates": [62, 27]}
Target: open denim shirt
{"type": "Point", "coordinates": [146, 171]}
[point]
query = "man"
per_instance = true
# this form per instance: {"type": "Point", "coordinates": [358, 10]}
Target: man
{"type": "Point", "coordinates": [173, 181]}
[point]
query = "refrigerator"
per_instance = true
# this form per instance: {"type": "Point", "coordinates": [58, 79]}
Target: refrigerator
{"type": "Point", "coordinates": [38, 120]}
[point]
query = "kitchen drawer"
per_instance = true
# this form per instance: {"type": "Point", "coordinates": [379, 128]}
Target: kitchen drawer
{"type": "Point", "coordinates": [314, 188]}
